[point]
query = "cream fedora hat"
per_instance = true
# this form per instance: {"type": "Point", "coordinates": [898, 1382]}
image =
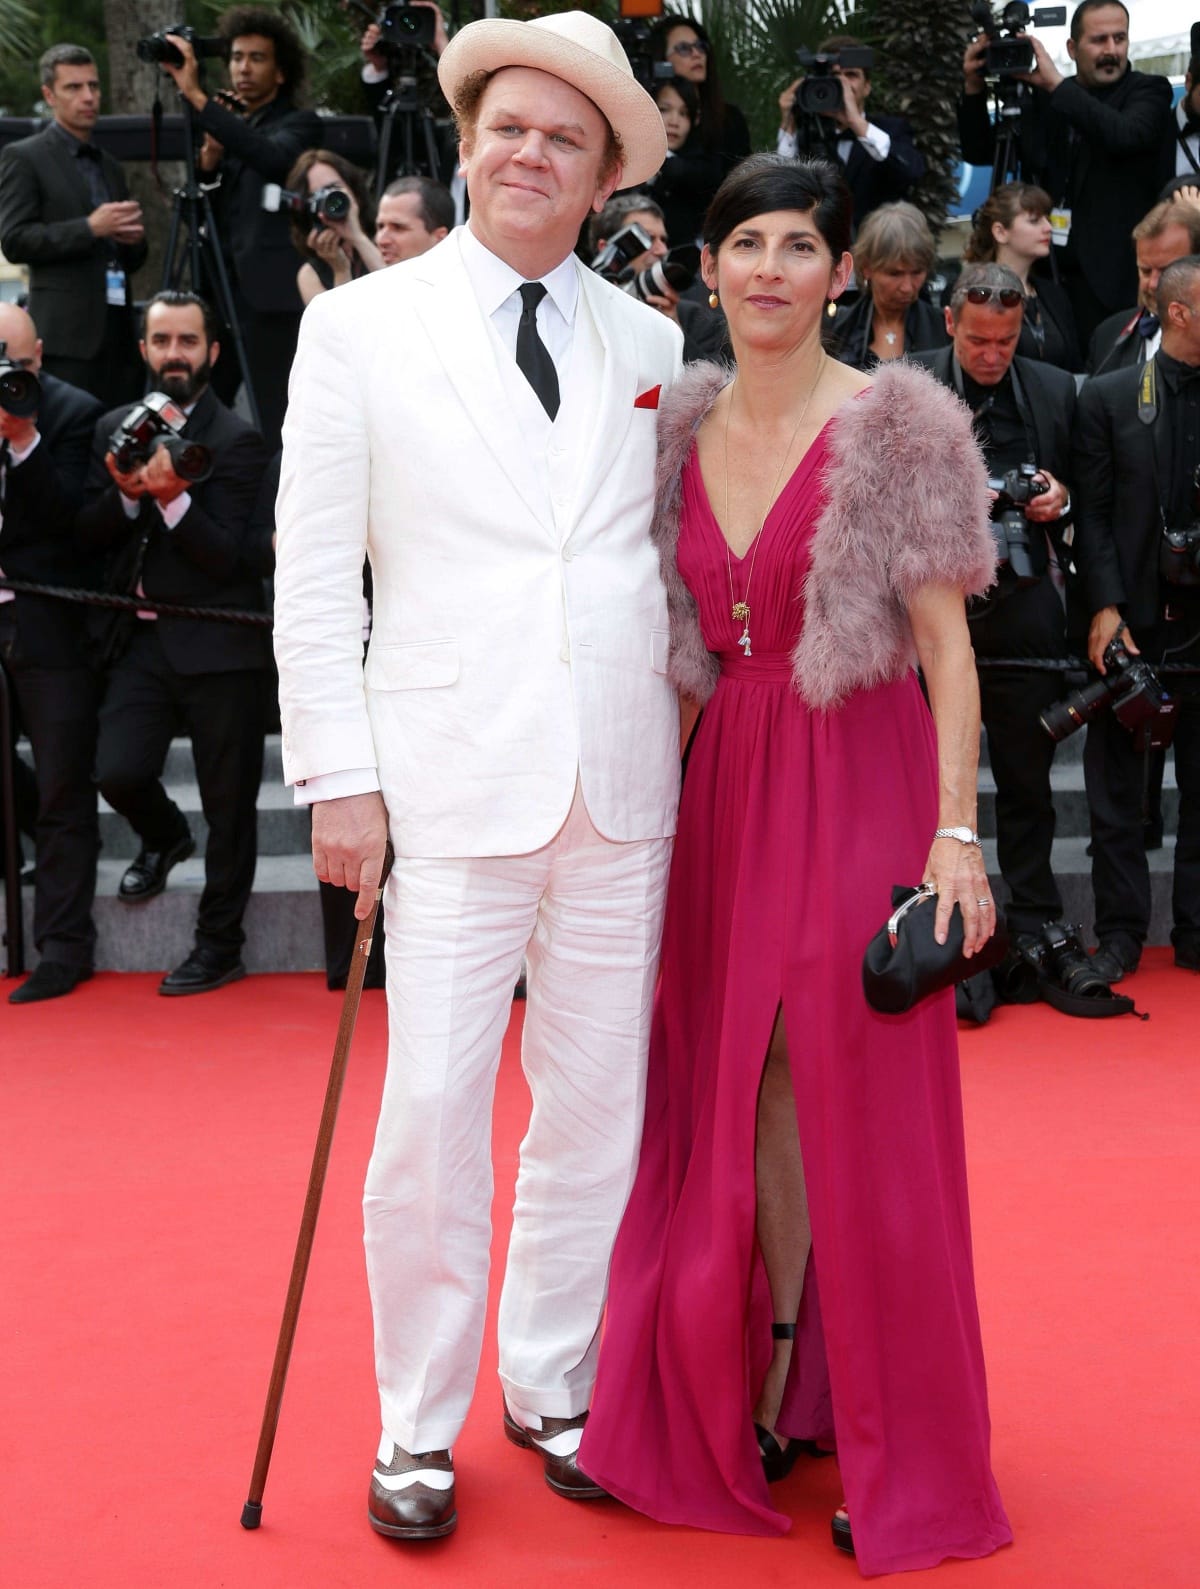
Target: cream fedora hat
{"type": "Point", "coordinates": [585, 53]}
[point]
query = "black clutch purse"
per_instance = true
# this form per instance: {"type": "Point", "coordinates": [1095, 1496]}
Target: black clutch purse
{"type": "Point", "coordinates": [904, 963]}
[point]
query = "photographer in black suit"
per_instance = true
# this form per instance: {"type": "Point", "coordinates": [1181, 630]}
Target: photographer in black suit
{"type": "Point", "coordinates": [1168, 232]}
{"type": "Point", "coordinates": [199, 545]}
{"type": "Point", "coordinates": [1093, 141]}
{"type": "Point", "coordinates": [65, 211]}
{"type": "Point", "coordinates": [877, 155]}
{"type": "Point", "coordinates": [43, 462]}
{"type": "Point", "coordinates": [247, 148]}
{"type": "Point", "coordinates": [1023, 410]}
{"type": "Point", "coordinates": [1137, 457]}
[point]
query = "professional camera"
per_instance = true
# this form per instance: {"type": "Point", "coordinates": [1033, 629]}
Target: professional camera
{"type": "Point", "coordinates": [20, 390]}
{"type": "Point", "coordinates": [159, 48]}
{"type": "Point", "coordinates": [820, 92]}
{"type": "Point", "coordinates": [322, 207]}
{"type": "Point", "coordinates": [157, 422]}
{"type": "Point", "coordinates": [613, 260]}
{"type": "Point", "coordinates": [1010, 528]}
{"type": "Point", "coordinates": [403, 26]}
{"type": "Point", "coordinates": [675, 270]}
{"type": "Point", "coordinates": [1008, 53]}
{"type": "Point", "coordinates": [1133, 690]}
{"type": "Point", "coordinates": [1179, 556]}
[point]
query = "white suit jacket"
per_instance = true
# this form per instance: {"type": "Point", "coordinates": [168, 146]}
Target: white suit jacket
{"type": "Point", "coordinates": [520, 628]}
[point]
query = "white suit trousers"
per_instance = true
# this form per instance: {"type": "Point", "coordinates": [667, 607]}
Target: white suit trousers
{"type": "Point", "coordinates": [587, 915]}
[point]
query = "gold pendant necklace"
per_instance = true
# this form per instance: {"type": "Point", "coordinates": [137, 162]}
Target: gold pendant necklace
{"type": "Point", "coordinates": [740, 609]}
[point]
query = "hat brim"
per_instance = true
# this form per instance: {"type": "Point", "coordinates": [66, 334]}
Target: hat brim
{"type": "Point", "coordinates": [494, 43]}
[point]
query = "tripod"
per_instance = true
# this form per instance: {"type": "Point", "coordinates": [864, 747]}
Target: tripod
{"type": "Point", "coordinates": [192, 209]}
{"type": "Point", "coordinates": [402, 104]}
{"type": "Point", "coordinates": [1006, 161]}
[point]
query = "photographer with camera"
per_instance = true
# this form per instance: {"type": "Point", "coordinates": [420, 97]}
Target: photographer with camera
{"type": "Point", "coordinates": [1023, 411]}
{"type": "Point", "coordinates": [172, 491]}
{"type": "Point", "coordinates": [246, 147]}
{"type": "Point", "coordinates": [1093, 141]}
{"type": "Point", "coordinates": [629, 247]}
{"type": "Point", "coordinates": [1137, 462]}
{"type": "Point", "coordinates": [879, 161]}
{"type": "Point", "coordinates": [1169, 232]}
{"type": "Point", "coordinates": [65, 211]}
{"type": "Point", "coordinates": [332, 222]}
{"type": "Point", "coordinates": [45, 439]}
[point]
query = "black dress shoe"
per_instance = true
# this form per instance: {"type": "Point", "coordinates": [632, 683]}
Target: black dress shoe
{"type": "Point", "coordinates": [1187, 953]}
{"type": "Point", "coordinates": [148, 874]}
{"type": "Point", "coordinates": [50, 980]}
{"type": "Point", "coordinates": [201, 972]}
{"type": "Point", "coordinates": [1113, 960]}
{"type": "Point", "coordinates": [416, 1510]}
{"type": "Point", "coordinates": [563, 1473]}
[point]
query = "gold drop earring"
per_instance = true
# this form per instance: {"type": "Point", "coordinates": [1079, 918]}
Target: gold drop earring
{"type": "Point", "coordinates": [713, 300]}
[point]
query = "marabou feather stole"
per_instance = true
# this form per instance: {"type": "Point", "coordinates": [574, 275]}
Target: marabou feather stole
{"type": "Point", "coordinates": [906, 505]}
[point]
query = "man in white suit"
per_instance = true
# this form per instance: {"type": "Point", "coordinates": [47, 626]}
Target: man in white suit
{"type": "Point", "coordinates": [515, 733]}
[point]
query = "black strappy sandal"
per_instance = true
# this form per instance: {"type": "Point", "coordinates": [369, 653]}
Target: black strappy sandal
{"type": "Point", "coordinates": [839, 1527]}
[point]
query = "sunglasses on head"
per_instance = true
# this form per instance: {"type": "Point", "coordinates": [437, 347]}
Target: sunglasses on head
{"type": "Point", "coordinates": [1010, 297]}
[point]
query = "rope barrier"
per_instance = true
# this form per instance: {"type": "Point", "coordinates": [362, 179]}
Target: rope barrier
{"type": "Point", "coordinates": [168, 609]}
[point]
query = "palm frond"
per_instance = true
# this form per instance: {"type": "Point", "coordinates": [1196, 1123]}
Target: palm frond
{"type": "Point", "coordinates": [19, 30]}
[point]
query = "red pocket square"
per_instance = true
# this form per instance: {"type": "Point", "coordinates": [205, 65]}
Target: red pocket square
{"type": "Point", "coordinates": [648, 399]}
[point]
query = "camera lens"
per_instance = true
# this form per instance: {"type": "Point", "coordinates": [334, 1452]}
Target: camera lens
{"type": "Point", "coordinates": [20, 393]}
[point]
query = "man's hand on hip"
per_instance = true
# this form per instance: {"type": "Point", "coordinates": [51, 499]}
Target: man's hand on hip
{"type": "Point", "coordinates": [348, 841]}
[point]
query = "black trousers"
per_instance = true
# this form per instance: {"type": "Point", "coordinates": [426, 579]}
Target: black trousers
{"type": "Point", "coordinates": [116, 374]}
{"type": "Point", "coordinates": [270, 342]}
{"type": "Point", "coordinates": [57, 708]}
{"type": "Point", "coordinates": [1026, 623]}
{"type": "Point", "coordinates": [1116, 776]}
{"type": "Point", "coordinates": [146, 703]}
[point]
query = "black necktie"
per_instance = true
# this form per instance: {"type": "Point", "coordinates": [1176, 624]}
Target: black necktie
{"type": "Point", "coordinates": [533, 356]}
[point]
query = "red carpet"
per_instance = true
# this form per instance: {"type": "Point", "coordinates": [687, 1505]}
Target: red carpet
{"type": "Point", "coordinates": [154, 1155]}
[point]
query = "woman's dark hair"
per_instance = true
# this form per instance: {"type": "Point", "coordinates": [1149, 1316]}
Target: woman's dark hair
{"type": "Point", "coordinates": [688, 92]}
{"type": "Point", "coordinates": [301, 223]}
{"type": "Point", "coordinates": [711, 99]}
{"type": "Point", "coordinates": [764, 183]}
{"type": "Point", "coordinates": [265, 23]}
{"type": "Point", "coordinates": [1003, 206]}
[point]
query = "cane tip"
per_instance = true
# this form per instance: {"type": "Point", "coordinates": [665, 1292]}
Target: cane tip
{"type": "Point", "coordinates": [252, 1514]}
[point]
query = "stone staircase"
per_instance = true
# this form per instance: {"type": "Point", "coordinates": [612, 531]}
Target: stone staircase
{"type": "Point", "coordinates": [283, 923]}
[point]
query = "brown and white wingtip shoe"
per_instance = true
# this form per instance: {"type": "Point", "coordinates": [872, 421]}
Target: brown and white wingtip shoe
{"type": "Point", "coordinates": [412, 1494]}
{"type": "Point", "coordinates": [557, 1443]}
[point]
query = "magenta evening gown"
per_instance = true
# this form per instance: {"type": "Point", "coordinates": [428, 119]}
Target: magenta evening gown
{"type": "Point", "coordinates": [794, 825]}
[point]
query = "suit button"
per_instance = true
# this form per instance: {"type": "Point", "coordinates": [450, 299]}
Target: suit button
{"type": "Point", "coordinates": [568, 555]}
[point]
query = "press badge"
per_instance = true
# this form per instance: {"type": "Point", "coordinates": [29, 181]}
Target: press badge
{"type": "Point", "coordinates": [114, 292]}
{"type": "Point", "coordinates": [1060, 227]}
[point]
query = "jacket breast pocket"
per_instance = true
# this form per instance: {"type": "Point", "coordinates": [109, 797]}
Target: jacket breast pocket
{"type": "Point", "coordinates": [660, 645]}
{"type": "Point", "coordinates": [416, 665]}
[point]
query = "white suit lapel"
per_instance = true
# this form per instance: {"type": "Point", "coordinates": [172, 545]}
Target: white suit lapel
{"type": "Point", "coordinates": [467, 348]}
{"type": "Point", "coordinates": [618, 388]}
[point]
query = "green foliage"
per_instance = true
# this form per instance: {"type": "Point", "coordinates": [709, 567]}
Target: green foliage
{"type": "Point", "coordinates": [26, 30]}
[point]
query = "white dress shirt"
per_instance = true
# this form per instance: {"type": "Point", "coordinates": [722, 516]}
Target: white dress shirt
{"type": "Point", "coordinates": [496, 286]}
{"type": "Point", "coordinates": [875, 141]}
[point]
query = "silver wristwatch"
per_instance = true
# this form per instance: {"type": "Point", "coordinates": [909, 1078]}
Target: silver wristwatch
{"type": "Point", "coordinates": [963, 835]}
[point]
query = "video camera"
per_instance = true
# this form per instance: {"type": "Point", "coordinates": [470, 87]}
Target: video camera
{"type": "Point", "coordinates": [157, 421]}
{"type": "Point", "coordinates": [158, 48]}
{"type": "Point", "coordinates": [322, 207]}
{"type": "Point", "coordinates": [1009, 53]}
{"type": "Point", "coordinates": [635, 34]}
{"type": "Point", "coordinates": [20, 390]}
{"type": "Point", "coordinates": [1014, 490]}
{"type": "Point", "coordinates": [1133, 690]}
{"type": "Point", "coordinates": [820, 92]}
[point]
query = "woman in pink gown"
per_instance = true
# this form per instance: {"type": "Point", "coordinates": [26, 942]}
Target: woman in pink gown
{"type": "Point", "coordinates": [778, 1101]}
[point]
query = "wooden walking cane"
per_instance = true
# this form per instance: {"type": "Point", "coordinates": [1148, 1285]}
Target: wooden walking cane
{"type": "Point", "coordinates": [252, 1511]}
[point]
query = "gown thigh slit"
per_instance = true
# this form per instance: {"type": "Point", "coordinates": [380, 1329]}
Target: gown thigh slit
{"type": "Point", "coordinates": [794, 825]}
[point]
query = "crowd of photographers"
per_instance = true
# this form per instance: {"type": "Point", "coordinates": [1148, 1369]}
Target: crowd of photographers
{"type": "Point", "coordinates": [138, 454]}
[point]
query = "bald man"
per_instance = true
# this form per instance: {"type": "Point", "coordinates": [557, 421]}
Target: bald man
{"type": "Point", "coordinates": [43, 461]}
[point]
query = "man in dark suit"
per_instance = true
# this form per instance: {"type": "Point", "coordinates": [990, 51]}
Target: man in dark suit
{"type": "Point", "coordinates": [877, 155]}
{"type": "Point", "coordinates": [249, 148]}
{"type": "Point", "coordinates": [1137, 453]}
{"type": "Point", "coordinates": [43, 462]}
{"type": "Point", "coordinates": [1023, 410]}
{"type": "Point", "coordinates": [1167, 233]}
{"type": "Point", "coordinates": [65, 211]}
{"type": "Point", "coordinates": [1093, 141]}
{"type": "Point", "coordinates": [199, 545]}
{"type": "Point", "coordinates": [1181, 149]}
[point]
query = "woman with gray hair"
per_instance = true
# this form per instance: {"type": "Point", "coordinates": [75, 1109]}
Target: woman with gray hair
{"type": "Point", "coordinates": [893, 254]}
